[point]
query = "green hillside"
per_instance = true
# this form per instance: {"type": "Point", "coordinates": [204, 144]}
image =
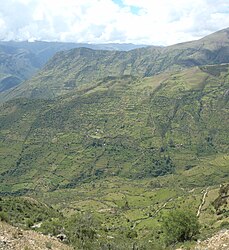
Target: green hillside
{"type": "Point", "coordinates": [115, 157]}
{"type": "Point", "coordinates": [16, 65]}
{"type": "Point", "coordinates": [69, 69]}
{"type": "Point", "coordinates": [20, 60]}
{"type": "Point", "coordinates": [126, 127]}
{"type": "Point", "coordinates": [116, 142]}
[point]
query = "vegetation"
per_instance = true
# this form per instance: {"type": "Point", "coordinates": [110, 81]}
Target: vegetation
{"type": "Point", "coordinates": [120, 214]}
{"type": "Point", "coordinates": [180, 225]}
{"type": "Point", "coordinates": [20, 60]}
{"type": "Point", "coordinates": [104, 165]}
{"type": "Point", "coordinates": [25, 211]}
{"type": "Point", "coordinates": [168, 124]}
{"type": "Point", "coordinates": [69, 69]}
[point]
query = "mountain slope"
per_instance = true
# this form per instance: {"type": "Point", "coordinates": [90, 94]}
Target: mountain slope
{"type": "Point", "coordinates": [20, 60]}
{"type": "Point", "coordinates": [13, 238]}
{"type": "Point", "coordinates": [128, 127]}
{"type": "Point", "coordinates": [16, 65]}
{"type": "Point", "coordinates": [72, 68]}
{"type": "Point", "coordinates": [219, 241]}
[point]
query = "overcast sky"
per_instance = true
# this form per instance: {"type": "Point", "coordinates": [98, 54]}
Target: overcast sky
{"type": "Point", "coordinates": [156, 22]}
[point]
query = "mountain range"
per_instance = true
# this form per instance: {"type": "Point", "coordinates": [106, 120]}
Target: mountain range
{"type": "Point", "coordinates": [69, 69]}
{"type": "Point", "coordinates": [124, 135]}
{"type": "Point", "coordinates": [20, 60]}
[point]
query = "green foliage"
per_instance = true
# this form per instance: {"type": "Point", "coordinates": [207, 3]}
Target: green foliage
{"type": "Point", "coordinates": [220, 203]}
{"type": "Point", "coordinates": [69, 69]}
{"type": "Point", "coordinates": [25, 211]}
{"type": "Point", "coordinates": [180, 225]}
{"type": "Point", "coordinates": [48, 244]}
{"type": "Point", "coordinates": [4, 216]}
{"type": "Point", "coordinates": [120, 127]}
{"type": "Point", "coordinates": [224, 225]}
{"type": "Point", "coordinates": [82, 231]}
{"type": "Point", "coordinates": [29, 223]}
{"type": "Point", "coordinates": [52, 226]}
{"type": "Point", "coordinates": [131, 234]}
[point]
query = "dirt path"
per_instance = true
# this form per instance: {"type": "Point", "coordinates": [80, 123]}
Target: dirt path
{"type": "Point", "coordinates": [202, 202]}
{"type": "Point", "coordinates": [136, 222]}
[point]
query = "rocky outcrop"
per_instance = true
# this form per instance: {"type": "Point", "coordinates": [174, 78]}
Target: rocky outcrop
{"type": "Point", "coordinates": [12, 238]}
{"type": "Point", "coordinates": [219, 241]}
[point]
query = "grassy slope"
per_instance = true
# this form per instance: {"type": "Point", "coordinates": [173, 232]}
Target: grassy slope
{"type": "Point", "coordinates": [123, 205]}
{"type": "Point", "coordinates": [20, 60]}
{"type": "Point", "coordinates": [69, 69]}
{"type": "Point", "coordinates": [16, 65]}
{"type": "Point", "coordinates": [123, 127]}
{"type": "Point", "coordinates": [99, 150]}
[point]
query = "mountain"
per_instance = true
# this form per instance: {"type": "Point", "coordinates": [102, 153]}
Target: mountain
{"type": "Point", "coordinates": [125, 126]}
{"type": "Point", "coordinates": [45, 50]}
{"type": "Point", "coordinates": [16, 64]}
{"type": "Point", "coordinates": [69, 69]}
{"type": "Point", "coordinates": [20, 60]}
{"type": "Point", "coordinates": [118, 155]}
{"type": "Point", "coordinates": [101, 145]}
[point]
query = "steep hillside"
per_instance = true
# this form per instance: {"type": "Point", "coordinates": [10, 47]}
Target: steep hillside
{"type": "Point", "coordinates": [16, 64]}
{"type": "Point", "coordinates": [72, 68]}
{"type": "Point", "coordinates": [13, 238]}
{"type": "Point", "coordinates": [126, 127]}
{"type": "Point", "coordinates": [219, 241]}
{"type": "Point", "coordinates": [20, 60]}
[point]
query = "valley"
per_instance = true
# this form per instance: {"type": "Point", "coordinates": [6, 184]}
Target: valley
{"type": "Point", "coordinates": [103, 145]}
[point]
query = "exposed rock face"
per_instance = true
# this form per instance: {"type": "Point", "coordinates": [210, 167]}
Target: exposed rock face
{"type": "Point", "coordinates": [219, 241]}
{"type": "Point", "coordinates": [12, 238]}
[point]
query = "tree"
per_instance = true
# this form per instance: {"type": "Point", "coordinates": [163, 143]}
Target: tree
{"type": "Point", "coordinates": [180, 225]}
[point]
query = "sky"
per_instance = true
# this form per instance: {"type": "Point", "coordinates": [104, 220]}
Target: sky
{"type": "Point", "coordinates": [154, 22]}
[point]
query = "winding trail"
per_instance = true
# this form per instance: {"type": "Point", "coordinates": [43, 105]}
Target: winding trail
{"type": "Point", "coordinates": [202, 202]}
{"type": "Point", "coordinates": [136, 222]}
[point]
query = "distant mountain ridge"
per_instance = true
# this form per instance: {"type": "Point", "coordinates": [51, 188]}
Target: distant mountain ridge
{"type": "Point", "coordinates": [16, 64]}
{"type": "Point", "coordinates": [20, 60]}
{"type": "Point", "coordinates": [69, 69]}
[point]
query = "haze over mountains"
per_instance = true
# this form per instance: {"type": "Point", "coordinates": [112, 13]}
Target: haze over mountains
{"type": "Point", "coordinates": [125, 135]}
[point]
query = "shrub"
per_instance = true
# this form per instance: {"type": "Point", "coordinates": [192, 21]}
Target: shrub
{"type": "Point", "coordinates": [4, 217]}
{"type": "Point", "coordinates": [180, 225]}
{"type": "Point", "coordinates": [48, 244]}
{"type": "Point", "coordinates": [224, 225]}
{"type": "Point", "coordinates": [29, 223]}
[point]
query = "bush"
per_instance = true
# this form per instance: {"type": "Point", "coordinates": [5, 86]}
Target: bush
{"type": "Point", "coordinates": [4, 217]}
{"type": "Point", "coordinates": [48, 244]}
{"type": "Point", "coordinates": [224, 225]}
{"type": "Point", "coordinates": [53, 227]}
{"type": "Point", "coordinates": [29, 223]}
{"type": "Point", "coordinates": [180, 225]}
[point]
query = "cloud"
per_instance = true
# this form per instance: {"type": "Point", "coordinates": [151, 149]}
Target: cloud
{"type": "Point", "coordinates": [97, 21]}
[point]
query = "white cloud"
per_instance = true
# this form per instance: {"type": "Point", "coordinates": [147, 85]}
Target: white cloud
{"type": "Point", "coordinates": [97, 21]}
